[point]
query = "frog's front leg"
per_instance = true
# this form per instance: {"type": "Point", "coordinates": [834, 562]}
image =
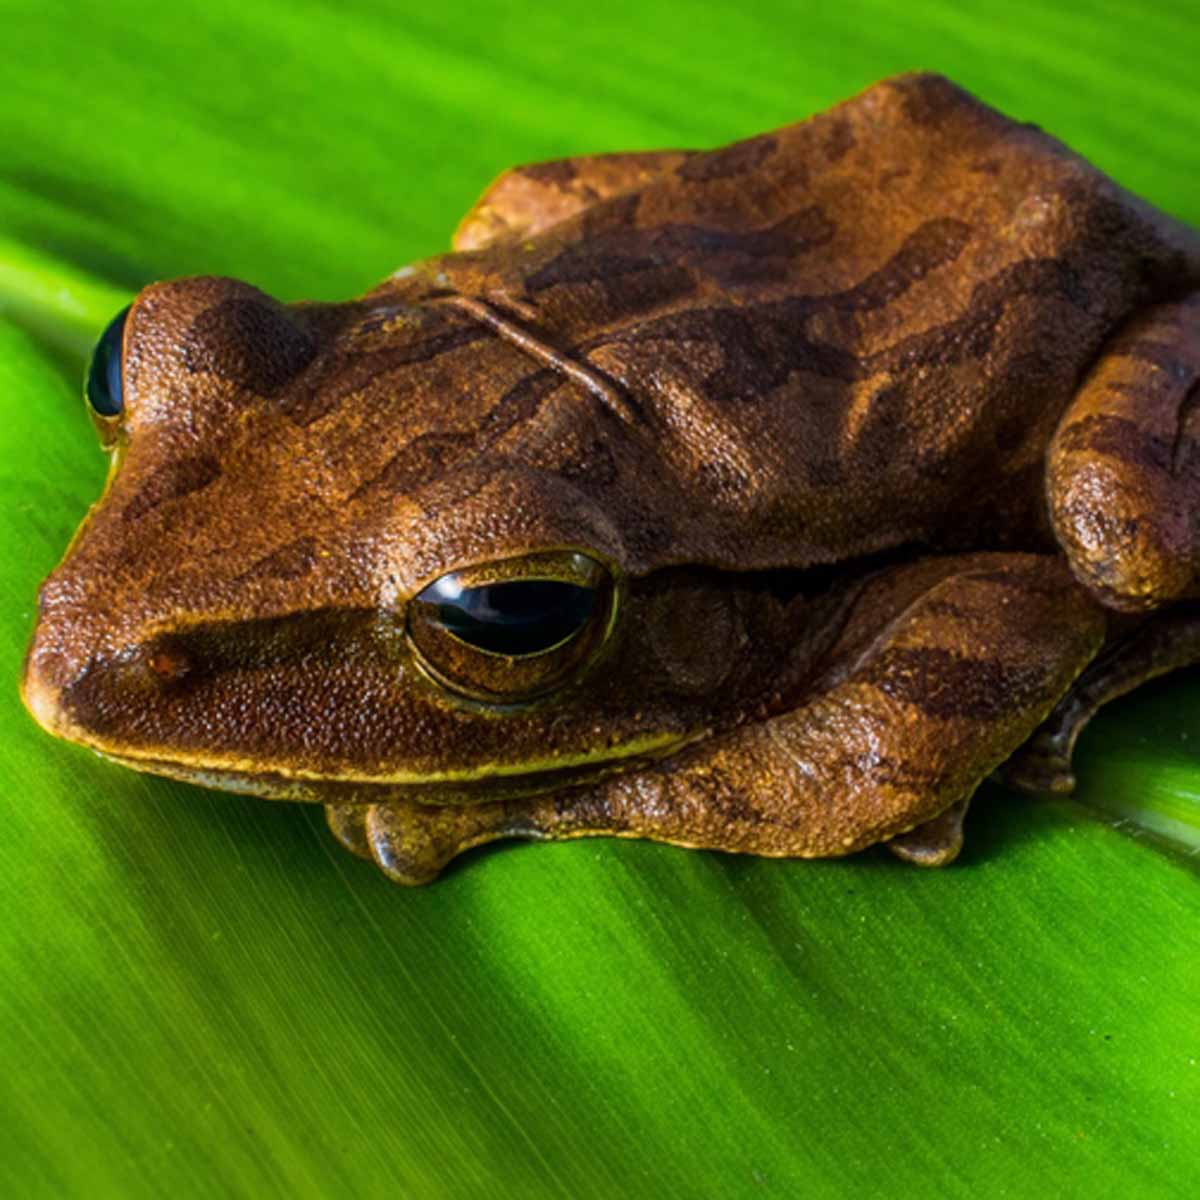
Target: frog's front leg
{"type": "Point", "coordinates": [945, 692]}
{"type": "Point", "coordinates": [1123, 478]}
{"type": "Point", "coordinates": [1123, 471]}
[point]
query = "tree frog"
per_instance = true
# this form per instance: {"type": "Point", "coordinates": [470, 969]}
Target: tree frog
{"type": "Point", "coordinates": [761, 499]}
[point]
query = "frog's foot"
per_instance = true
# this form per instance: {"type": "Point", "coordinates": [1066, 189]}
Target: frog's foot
{"type": "Point", "coordinates": [1162, 643]}
{"type": "Point", "coordinates": [978, 653]}
{"type": "Point", "coordinates": [1123, 469]}
{"type": "Point", "coordinates": [411, 843]}
{"type": "Point", "coordinates": [937, 842]}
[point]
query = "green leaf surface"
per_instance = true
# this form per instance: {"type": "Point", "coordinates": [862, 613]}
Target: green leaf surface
{"type": "Point", "coordinates": [202, 995]}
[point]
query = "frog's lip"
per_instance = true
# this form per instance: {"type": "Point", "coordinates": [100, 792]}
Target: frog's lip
{"type": "Point", "coordinates": [477, 787]}
{"type": "Point", "coordinates": [232, 772]}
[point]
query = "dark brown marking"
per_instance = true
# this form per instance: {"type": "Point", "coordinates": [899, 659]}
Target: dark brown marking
{"type": "Point", "coordinates": [593, 462]}
{"type": "Point", "coordinates": [559, 172]}
{"type": "Point", "coordinates": [520, 403]}
{"type": "Point", "coordinates": [608, 216]}
{"type": "Point", "coordinates": [760, 348]}
{"type": "Point", "coordinates": [433, 454]}
{"type": "Point", "coordinates": [936, 243]}
{"type": "Point", "coordinates": [1116, 437]}
{"type": "Point", "coordinates": [1032, 277]}
{"type": "Point", "coordinates": [931, 100]}
{"type": "Point", "coordinates": [253, 344]}
{"type": "Point", "coordinates": [948, 686]}
{"type": "Point", "coordinates": [418, 462]}
{"type": "Point", "coordinates": [605, 258]}
{"type": "Point", "coordinates": [971, 335]}
{"type": "Point", "coordinates": [762, 345]}
{"type": "Point", "coordinates": [1026, 582]}
{"type": "Point", "coordinates": [839, 140]}
{"type": "Point", "coordinates": [1167, 358]}
{"type": "Point", "coordinates": [355, 370]}
{"type": "Point", "coordinates": [738, 159]}
{"type": "Point", "coordinates": [292, 561]}
{"type": "Point", "coordinates": [967, 337]}
{"type": "Point", "coordinates": [170, 482]}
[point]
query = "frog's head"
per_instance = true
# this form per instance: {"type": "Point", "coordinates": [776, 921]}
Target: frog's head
{"type": "Point", "coordinates": [311, 573]}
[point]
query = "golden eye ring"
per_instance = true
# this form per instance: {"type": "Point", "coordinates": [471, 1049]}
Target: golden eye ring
{"type": "Point", "coordinates": [513, 630]}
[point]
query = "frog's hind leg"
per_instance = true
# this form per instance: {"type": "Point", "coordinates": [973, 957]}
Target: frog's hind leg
{"type": "Point", "coordinates": [1162, 643]}
{"type": "Point", "coordinates": [525, 200]}
{"type": "Point", "coordinates": [972, 655]}
{"type": "Point", "coordinates": [1123, 471]}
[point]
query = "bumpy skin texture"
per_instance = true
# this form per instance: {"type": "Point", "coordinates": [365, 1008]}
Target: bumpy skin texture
{"type": "Point", "coordinates": [878, 422]}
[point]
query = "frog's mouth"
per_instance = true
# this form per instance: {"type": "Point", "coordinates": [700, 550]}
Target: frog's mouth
{"type": "Point", "coordinates": [509, 783]}
{"type": "Point", "coordinates": [265, 773]}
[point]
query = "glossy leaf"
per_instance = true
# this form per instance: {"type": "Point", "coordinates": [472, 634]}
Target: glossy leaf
{"type": "Point", "coordinates": [202, 995]}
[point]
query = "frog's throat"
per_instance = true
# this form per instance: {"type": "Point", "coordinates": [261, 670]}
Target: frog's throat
{"type": "Point", "coordinates": [479, 786]}
{"type": "Point", "coordinates": [606, 389]}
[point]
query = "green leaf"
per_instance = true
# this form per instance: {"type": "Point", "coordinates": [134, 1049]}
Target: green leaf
{"type": "Point", "coordinates": [202, 995]}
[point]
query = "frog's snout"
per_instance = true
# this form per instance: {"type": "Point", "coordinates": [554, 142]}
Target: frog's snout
{"type": "Point", "coordinates": [49, 669]}
{"type": "Point", "coordinates": [40, 697]}
{"type": "Point", "coordinates": [66, 645]}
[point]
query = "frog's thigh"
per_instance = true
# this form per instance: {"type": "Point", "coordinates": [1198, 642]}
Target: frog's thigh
{"type": "Point", "coordinates": [945, 694]}
{"type": "Point", "coordinates": [1123, 474]}
{"type": "Point", "coordinates": [525, 200]}
{"type": "Point", "coordinates": [950, 688]}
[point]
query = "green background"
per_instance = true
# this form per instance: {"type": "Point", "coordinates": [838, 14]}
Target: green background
{"type": "Point", "coordinates": [202, 995]}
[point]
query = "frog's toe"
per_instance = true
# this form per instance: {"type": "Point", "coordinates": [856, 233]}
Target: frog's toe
{"type": "Point", "coordinates": [936, 843]}
{"type": "Point", "coordinates": [1043, 764]}
{"type": "Point", "coordinates": [410, 843]}
{"type": "Point", "coordinates": [348, 823]}
{"type": "Point", "coordinates": [408, 850]}
{"type": "Point", "coordinates": [1161, 643]}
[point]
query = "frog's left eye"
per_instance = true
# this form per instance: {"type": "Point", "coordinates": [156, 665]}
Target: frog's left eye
{"type": "Point", "coordinates": [514, 629]}
{"type": "Point", "coordinates": [105, 384]}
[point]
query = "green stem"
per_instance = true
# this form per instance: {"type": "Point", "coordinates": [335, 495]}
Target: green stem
{"type": "Point", "coordinates": [61, 304]}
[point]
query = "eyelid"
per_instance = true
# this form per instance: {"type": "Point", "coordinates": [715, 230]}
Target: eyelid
{"type": "Point", "coordinates": [564, 566]}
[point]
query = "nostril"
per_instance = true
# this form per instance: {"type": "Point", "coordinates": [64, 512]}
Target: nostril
{"type": "Point", "coordinates": [169, 663]}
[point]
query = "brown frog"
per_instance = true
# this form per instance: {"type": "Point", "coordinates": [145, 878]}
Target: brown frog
{"type": "Point", "coordinates": [763, 499]}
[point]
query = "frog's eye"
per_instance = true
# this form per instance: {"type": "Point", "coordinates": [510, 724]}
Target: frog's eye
{"type": "Point", "coordinates": [104, 381]}
{"type": "Point", "coordinates": [515, 629]}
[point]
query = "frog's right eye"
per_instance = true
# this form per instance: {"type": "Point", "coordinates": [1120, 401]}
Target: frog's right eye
{"type": "Point", "coordinates": [105, 386]}
{"type": "Point", "coordinates": [512, 630]}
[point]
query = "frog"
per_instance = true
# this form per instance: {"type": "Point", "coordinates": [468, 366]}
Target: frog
{"type": "Point", "coordinates": [764, 499]}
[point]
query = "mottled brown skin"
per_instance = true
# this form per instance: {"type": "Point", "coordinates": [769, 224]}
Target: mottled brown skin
{"type": "Point", "coordinates": [884, 426]}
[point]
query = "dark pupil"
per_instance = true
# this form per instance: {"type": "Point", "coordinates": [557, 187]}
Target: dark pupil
{"type": "Point", "coordinates": [104, 372]}
{"type": "Point", "coordinates": [523, 617]}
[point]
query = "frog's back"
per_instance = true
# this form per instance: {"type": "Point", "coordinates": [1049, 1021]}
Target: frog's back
{"type": "Point", "coordinates": [840, 336]}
